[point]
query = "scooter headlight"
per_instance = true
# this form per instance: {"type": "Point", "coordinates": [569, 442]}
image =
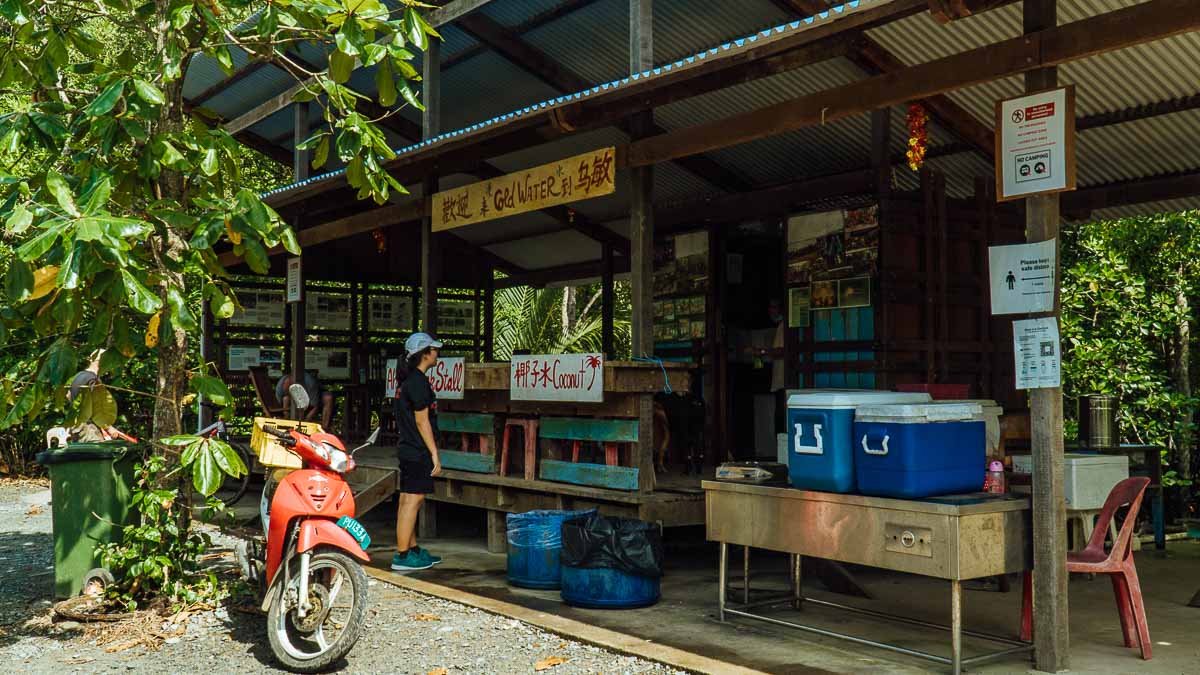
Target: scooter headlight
{"type": "Point", "coordinates": [338, 460]}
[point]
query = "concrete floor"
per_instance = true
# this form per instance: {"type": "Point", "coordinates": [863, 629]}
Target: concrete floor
{"type": "Point", "coordinates": [686, 616]}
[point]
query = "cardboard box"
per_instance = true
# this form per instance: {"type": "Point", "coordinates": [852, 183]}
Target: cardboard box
{"type": "Point", "coordinates": [268, 448]}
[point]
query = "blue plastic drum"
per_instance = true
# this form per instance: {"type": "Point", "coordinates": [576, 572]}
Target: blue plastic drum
{"type": "Point", "coordinates": [534, 547]}
{"type": "Point", "coordinates": [606, 588]}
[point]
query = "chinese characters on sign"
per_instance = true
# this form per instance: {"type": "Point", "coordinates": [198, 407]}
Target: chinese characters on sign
{"type": "Point", "coordinates": [581, 177]}
{"type": "Point", "coordinates": [1035, 144]}
{"type": "Point", "coordinates": [557, 377]}
{"type": "Point", "coordinates": [1036, 348]}
{"type": "Point", "coordinates": [1022, 278]}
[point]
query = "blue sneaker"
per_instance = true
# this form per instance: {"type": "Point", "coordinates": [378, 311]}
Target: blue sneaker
{"type": "Point", "coordinates": [411, 561]}
{"type": "Point", "coordinates": [431, 558]}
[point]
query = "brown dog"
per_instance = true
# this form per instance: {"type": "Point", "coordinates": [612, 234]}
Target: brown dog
{"type": "Point", "coordinates": [662, 437]}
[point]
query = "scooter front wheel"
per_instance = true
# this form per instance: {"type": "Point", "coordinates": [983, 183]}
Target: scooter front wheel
{"type": "Point", "coordinates": [333, 620]}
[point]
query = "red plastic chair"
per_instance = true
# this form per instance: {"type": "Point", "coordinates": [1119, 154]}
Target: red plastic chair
{"type": "Point", "coordinates": [1117, 563]}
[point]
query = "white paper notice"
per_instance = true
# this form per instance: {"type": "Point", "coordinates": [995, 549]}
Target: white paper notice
{"type": "Point", "coordinates": [1035, 155]}
{"type": "Point", "coordinates": [295, 280]}
{"type": "Point", "coordinates": [1036, 348]}
{"type": "Point", "coordinates": [1022, 278]}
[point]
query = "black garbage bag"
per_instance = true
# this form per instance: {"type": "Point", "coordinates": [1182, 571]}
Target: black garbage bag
{"type": "Point", "coordinates": [632, 546]}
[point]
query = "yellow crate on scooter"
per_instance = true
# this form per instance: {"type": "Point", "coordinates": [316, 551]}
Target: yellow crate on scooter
{"type": "Point", "coordinates": [270, 451]}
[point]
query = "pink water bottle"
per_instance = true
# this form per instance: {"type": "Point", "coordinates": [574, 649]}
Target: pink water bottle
{"type": "Point", "coordinates": [994, 483]}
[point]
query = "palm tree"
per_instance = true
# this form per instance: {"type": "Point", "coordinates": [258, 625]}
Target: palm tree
{"type": "Point", "coordinates": [533, 319]}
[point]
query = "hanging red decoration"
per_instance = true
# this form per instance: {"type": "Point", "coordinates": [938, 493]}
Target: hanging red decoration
{"type": "Point", "coordinates": [918, 136]}
{"type": "Point", "coordinates": [380, 240]}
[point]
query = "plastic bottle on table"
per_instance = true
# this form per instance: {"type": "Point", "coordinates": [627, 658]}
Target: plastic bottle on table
{"type": "Point", "coordinates": [995, 482]}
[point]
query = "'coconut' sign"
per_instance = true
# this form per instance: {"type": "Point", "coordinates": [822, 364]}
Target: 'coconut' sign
{"type": "Point", "coordinates": [557, 377]}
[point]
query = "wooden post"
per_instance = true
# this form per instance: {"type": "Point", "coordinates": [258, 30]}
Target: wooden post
{"type": "Point", "coordinates": [299, 172]}
{"type": "Point", "coordinates": [427, 520]}
{"type": "Point", "coordinates": [607, 302]}
{"type": "Point", "coordinates": [881, 141]}
{"type": "Point", "coordinates": [497, 532]}
{"type": "Point", "coordinates": [430, 127]}
{"type": "Point", "coordinates": [489, 314]}
{"type": "Point", "coordinates": [641, 236]}
{"type": "Point", "coordinates": [1052, 632]}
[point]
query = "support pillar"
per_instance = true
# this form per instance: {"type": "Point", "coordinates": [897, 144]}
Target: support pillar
{"type": "Point", "coordinates": [489, 315]}
{"type": "Point", "coordinates": [299, 172]}
{"type": "Point", "coordinates": [641, 237]}
{"type": "Point", "coordinates": [608, 300]}
{"type": "Point", "coordinates": [1051, 628]}
{"type": "Point", "coordinates": [430, 127]}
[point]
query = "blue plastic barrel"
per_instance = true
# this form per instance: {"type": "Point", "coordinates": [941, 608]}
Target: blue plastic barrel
{"type": "Point", "coordinates": [534, 547]}
{"type": "Point", "coordinates": [607, 588]}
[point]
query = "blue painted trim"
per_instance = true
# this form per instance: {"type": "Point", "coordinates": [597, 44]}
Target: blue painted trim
{"type": "Point", "coordinates": [467, 461]}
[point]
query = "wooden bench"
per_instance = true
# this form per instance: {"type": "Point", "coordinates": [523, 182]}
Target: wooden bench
{"type": "Point", "coordinates": [612, 435]}
{"type": "Point", "coordinates": [470, 426]}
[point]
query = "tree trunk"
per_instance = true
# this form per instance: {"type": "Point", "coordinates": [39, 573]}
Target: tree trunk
{"type": "Point", "coordinates": [1183, 379]}
{"type": "Point", "coordinates": [568, 311]}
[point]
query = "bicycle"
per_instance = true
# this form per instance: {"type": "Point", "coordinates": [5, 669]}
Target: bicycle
{"type": "Point", "coordinates": [237, 485]}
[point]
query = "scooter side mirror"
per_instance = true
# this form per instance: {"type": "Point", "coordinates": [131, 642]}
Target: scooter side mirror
{"type": "Point", "coordinates": [300, 395]}
{"type": "Point", "coordinates": [371, 440]}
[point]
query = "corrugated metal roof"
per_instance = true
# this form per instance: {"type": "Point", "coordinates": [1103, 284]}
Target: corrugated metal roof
{"type": "Point", "coordinates": [1147, 209]}
{"type": "Point", "coordinates": [592, 42]}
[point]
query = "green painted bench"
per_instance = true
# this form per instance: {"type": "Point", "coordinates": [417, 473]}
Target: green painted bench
{"type": "Point", "coordinates": [611, 434]}
{"type": "Point", "coordinates": [469, 425]}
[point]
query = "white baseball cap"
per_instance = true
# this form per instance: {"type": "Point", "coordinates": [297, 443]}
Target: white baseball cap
{"type": "Point", "coordinates": [418, 342]}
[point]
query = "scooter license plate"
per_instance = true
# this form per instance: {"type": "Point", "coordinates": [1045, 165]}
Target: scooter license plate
{"type": "Point", "coordinates": [356, 530]}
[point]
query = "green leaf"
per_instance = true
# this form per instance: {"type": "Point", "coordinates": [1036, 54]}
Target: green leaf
{"type": "Point", "coordinates": [322, 153]}
{"type": "Point", "coordinates": [24, 405]}
{"type": "Point", "coordinates": [349, 37]}
{"type": "Point", "coordinates": [255, 256]}
{"type": "Point", "coordinates": [99, 405]}
{"type": "Point", "coordinates": [256, 212]}
{"type": "Point", "coordinates": [140, 297]}
{"type": "Point", "coordinates": [180, 314]}
{"type": "Point", "coordinates": [148, 92]}
{"type": "Point", "coordinates": [206, 475]}
{"type": "Point", "coordinates": [209, 164]}
{"type": "Point", "coordinates": [50, 125]}
{"type": "Point", "coordinates": [373, 53]}
{"type": "Point", "coordinates": [61, 191]}
{"type": "Point", "coordinates": [340, 66]}
{"type": "Point", "coordinates": [96, 198]}
{"type": "Point", "coordinates": [414, 29]}
{"type": "Point", "coordinates": [44, 241]}
{"type": "Point", "coordinates": [192, 450]}
{"type": "Point", "coordinates": [19, 220]}
{"type": "Point", "coordinates": [409, 95]}
{"type": "Point", "coordinates": [169, 156]}
{"type": "Point", "coordinates": [177, 441]}
{"type": "Point", "coordinates": [106, 100]}
{"type": "Point", "coordinates": [68, 273]}
{"type": "Point", "coordinates": [59, 363]}
{"type": "Point", "coordinates": [227, 458]}
{"type": "Point", "coordinates": [269, 22]}
{"type": "Point", "coordinates": [224, 59]}
{"type": "Point", "coordinates": [385, 82]}
{"type": "Point", "coordinates": [288, 238]}
{"type": "Point", "coordinates": [212, 389]}
{"type": "Point", "coordinates": [18, 283]}
{"type": "Point", "coordinates": [121, 228]}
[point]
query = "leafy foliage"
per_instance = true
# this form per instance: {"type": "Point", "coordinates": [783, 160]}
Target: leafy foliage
{"type": "Point", "coordinates": [532, 319]}
{"type": "Point", "coordinates": [1122, 322]}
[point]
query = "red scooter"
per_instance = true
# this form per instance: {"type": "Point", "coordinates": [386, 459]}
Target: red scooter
{"type": "Point", "coordinates": [315, 589]}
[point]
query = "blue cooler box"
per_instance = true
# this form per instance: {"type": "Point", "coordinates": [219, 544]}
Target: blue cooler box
{"type": "Point", "coordinates": [920, 450]}
{"type": "Point", "coordinates": [820, 424]}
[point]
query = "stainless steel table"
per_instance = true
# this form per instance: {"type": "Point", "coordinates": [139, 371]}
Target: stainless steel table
{"type": "Point", "coordinates": [954, 538]}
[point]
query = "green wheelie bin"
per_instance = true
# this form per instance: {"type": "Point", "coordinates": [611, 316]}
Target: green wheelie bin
{"type": "Point", "coordinates": [91, 500]}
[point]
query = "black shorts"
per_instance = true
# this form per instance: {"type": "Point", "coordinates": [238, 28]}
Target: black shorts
{"type": "Point", "coordinates": [415, 467]}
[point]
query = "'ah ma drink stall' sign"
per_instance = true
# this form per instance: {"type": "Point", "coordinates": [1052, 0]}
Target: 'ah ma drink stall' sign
{"type": "Point", "coordinates": [568, 180]}
{"type": "Point", "coordinates": [446, 378]}
{"type": "Point", "coordinates": [557, 377]}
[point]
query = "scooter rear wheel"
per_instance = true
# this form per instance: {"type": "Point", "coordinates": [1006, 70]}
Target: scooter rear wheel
{"type": "Point", "coordinates": [338, 592]}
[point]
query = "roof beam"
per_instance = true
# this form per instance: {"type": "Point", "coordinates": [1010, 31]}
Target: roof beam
{"type": "Point", "coordinates": [1127, 27]}
{"type": "Point", "coordinates": [1127, 193]}
{"type": "Point", "coordinates": [541, 66]}
{"type": "Point", "coordinates": [537, 21]}
{"type": "Point", "coordinates": [875, 59]}
{"type": "Point", "coordinates": [572, 272]}
{"type": "Point", "coordinates": [453, 10]}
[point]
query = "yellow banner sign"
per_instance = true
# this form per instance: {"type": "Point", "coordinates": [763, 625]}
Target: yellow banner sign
{"type": "Point", "coordinates": [581, 177]}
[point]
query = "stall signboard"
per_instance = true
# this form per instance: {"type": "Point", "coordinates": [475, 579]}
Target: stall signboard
{"type": "Point", "coordinates": [295, 280]}
{"type": "Point", "coordinates": [259, 308]}
{"type": "Point", "coordinates": [331, 363]}
{"type": "Point", "coordinates": [1036, 347]}
{"type": "Point", "coordinates": [557, 377]}
{"type": "Point", "coordinates": [391, 378]}
{"type": "Point", "coordinates": [447, 377]}
{"type": "Point", "coordinates": [1035, 144]}
{"type": "Point", "coordinates": [330, 311]}
{"type": "Point", "coordinates": [591, 174]}
{"type": "Point", "coordinates": [1022, 277]}
{"type": "Point", "coordinates": [390, 313]}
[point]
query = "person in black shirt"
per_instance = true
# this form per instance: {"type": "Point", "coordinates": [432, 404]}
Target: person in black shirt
{"type": "Point", "coordinates": [415, 408]}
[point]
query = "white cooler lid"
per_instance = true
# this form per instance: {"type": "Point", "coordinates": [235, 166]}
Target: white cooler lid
{"type": "Point", "coordinates": [1095, 460]}
{"type": "Point", "coordinates": [919, 413]}
{"type": "Point", "coordinates": [852, 398]}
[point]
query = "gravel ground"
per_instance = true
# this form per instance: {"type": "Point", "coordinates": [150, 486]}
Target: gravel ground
{"type": "Point", "coordinates": [460, 640]}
